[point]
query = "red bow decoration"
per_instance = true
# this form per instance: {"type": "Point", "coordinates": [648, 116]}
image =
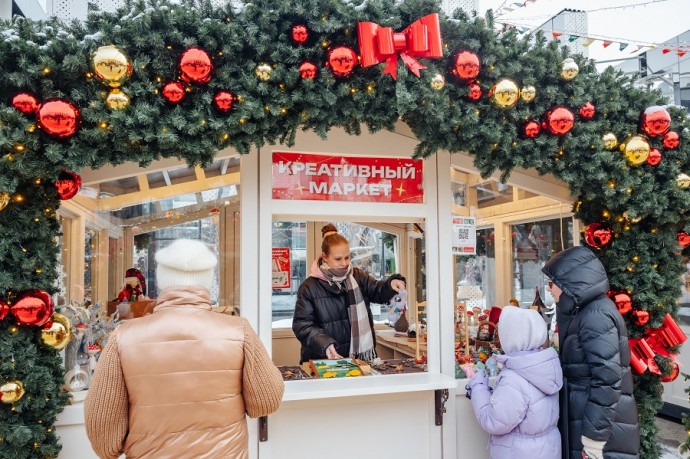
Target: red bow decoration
{"type": "Point", "coordinates": [666, 336]}
{"type": "Point", "coordinates": [421, 39]}
{"type": "Point", "coordinates": [642, 357]}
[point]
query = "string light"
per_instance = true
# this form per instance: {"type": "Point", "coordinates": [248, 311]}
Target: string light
{"type": "Point", "coordinates": [46, 70]}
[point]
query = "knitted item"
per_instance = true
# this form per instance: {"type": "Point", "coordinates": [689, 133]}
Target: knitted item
{"type": "Point", "coordinates": [521, 330]}
{"type": "Point", "coordinates": [185, 262]}
{"type": "Point", "coordinates": [401, 325]}
{"type": "Point", "coordinates": [262, 384]}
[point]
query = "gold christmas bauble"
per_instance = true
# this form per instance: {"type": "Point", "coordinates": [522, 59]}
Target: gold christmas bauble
{"type": "Point", "coordinates": [636, 150]}
{"type": "Point", "coordinates": [610, 140]}
{"type": "Point", "coordinates": [528, 93]}
{"type": "Point", "coordinates": [111, 65]}
{"type": "Point", "coordinates": [438, 82]}
{"type": "Point", "coordinates": [4, 200]}
{"type": "Point", "coordinates": [263, 71]}
{"type": "Point", "coordinates": [58, 332]}
{"type": "Point", "coordinates": [505, 93]}
{"type": "Point", "coordinates": [569, 69]}
{"type": "Point", "coordinates": [683, 180]}
{"type": "Point", "coordinates": [117, 100]}
{"type": "Point", "coordinates": [11, 391]}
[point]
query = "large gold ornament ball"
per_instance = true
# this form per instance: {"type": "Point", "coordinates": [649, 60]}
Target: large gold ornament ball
{"type": "Point", "coordinates": [111, 65]}
{"type": "Point", "coordinates": [528, 93]}
{"type": "Point", "coordinates": [438, 82]}
{"type": "Point", "coordinates": [58, 332]}
{"type": "Point", "coordinates": [505, 93]}
{"type": "Point", "coordinates": [636, 150]}
{"type": "Point", "coordinates": [117, 100]}
{"type": "Point", "coordinates": [610, 140]}
{"type": "Point", "coordinates": [569, 69]}
{"type": "Point", "coordinates": [11, 391]}
{"type": "Point", "coordinates": [263, 71]}
{"type": "Point", "coordinates": [683, 180]}
{"type": "Point", "coordinates": [4, 200]}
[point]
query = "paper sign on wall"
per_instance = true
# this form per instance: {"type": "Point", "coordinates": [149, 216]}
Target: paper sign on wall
{"type": "Point", "coordinates": [464, 236]}
{"type": "Point", "coordinates": [281, 267]}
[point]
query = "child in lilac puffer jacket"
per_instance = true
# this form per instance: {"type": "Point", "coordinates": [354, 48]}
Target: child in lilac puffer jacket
{"type": "Point", "coordinates": [521, 413]}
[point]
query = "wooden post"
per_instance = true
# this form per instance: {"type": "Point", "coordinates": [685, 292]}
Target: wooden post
{"type": "Point", "coordinates": [417, 331]}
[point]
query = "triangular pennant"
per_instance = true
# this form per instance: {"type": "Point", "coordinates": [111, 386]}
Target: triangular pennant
{"type": "Point", "coordinates": [573, 38]}
{"type": "Point", "coordinates": [556, 34]}
{"type": "Point", "coordinates": [622, 46]}
{"type": "Point", "coordinates": [665, 50]}
{"type": "Point", "coordinates": [607, 43]}
{"type": "Point", "coordinates": [588, 41]}
{"type": "Point", "coordinates": [635, 50]}
{"type": "Point", "coordinates": [681, 53]}
{"type": "Point", "coordinates": [519, 5]}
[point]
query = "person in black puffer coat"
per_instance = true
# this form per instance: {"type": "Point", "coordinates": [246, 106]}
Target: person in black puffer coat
{"type": "Point", "coordinates": [332, 315]}
{"type": "Point", "coordinates": [600, 410]}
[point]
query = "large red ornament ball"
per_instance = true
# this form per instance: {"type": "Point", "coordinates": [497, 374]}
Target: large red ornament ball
{"type": "Point", "coordinates": [671, 140]}
{"type": "Point", "coordinates": [587, 111]}
{"type": "Point", "coordinates": [223, 101]}
{"type": "Point", "coordinates": [195, 65]}
{"type": "Point", "coordinates": [675, 372]}
{"type": "Point", "coordinates": [531, 129]}
{"type": "Point", "coordinates": [4, 309]}
{"type": "Point", "coordinates": [466, 65]}
{"type": "Point", "coordinates": [58, 118]}
{"type": "Point", "coordinates": [307, 71]}
{"type": "Point", "coordinates": [68, 185]}
{"type": "Point", "coordinates": [300, 34]}
{"type": "Point", "coordinates": [25, 103]}
{"type": "Point", "coordinates": [33, 307]}
{"type": "Point", "coordinates": [341, 61]}
{"type": "Point", "coordinates": [475, 92]}
{"type": "Point", "coordinates": [598, 235]}
{"type": "Point", "coordinates": [655, 121]}
{"type": "Point", "coordinates": [683, 239]}
{"type": "Point", "coordinates": [641, 317]}
{"type": "Point", "coordinates": [654, 157]}
{"type": "Point", "coordinates": [173, 92]}
{"type": "Point", "coordinates": [622, 300]}
{"type": "Point", "coordinates": [559, 120]}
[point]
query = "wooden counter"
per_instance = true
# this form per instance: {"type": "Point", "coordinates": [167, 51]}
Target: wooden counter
{"type": "Point", "coordinates": [390, 346]}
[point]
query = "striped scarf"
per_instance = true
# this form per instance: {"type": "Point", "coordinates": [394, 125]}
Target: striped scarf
{"type": "Point", "coordinates": [361, 334]}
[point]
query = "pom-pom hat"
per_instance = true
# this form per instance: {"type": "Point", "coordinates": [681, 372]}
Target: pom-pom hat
{"type": "Point", "coordinates": [185, 262]}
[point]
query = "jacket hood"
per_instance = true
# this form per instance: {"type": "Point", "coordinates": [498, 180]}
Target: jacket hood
{"type": "Point", "coordinates": [579, 274]}
{"type": "Point", "coordinates": [542, 369]}
{"type": "Point", "coordinates": [521, 329]}
{"type": "Point", "coordinates": [316, 272]}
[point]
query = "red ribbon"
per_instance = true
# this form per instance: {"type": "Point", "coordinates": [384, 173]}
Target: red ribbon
{"type": "Point", "coordinates": [666, 336]}
{"type": "Point", "coordinates": [642, 357]}
{"type": "Point", "coordinates": [422, 39]}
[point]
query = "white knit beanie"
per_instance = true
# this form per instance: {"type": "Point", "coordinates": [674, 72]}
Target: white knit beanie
{"type": "Point", "coordinates": [520, 329]}
{"type": "Point", "coordinates": [185, 262]}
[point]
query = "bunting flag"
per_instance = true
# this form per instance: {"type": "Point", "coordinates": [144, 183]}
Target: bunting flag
{"type": "Point", "coordinates": [572, 38]}
{"type": "Point", "coordinates": [622, 46]}
{"type": "Point", "coordinates": [556, 34]}
{"type": "Point", "coordinates": [607, 43]}
{"type": "Point", "coordinates": [587, 42]}
{"type": "Point", "coordinates": [681, 53]}
{"type": "Point", "coordinates": [635, 50]}
{"type": "Point", "coordinates": [665, 50]}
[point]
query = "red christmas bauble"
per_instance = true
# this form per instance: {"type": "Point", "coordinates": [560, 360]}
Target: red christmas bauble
{"type": "Point", "coordinates": [655, 121]}
{"type": "Point", "coordinates": [342, 61]}
{"type": "Point", "coordinates": [621, 299]}
{"type": "Point", "coordinates": [173, 92]}
{"type": "Point", "coordinates": [58, 118]}
{"type": "Point", "coordinates": [531, 129]}
{"type": "Point", "coordinates": [68, 185]}
{"type": "Point", "coordinates": [300, 34]}
{"type": "Point", "coordinates": [671, 140]}
{"type": "Point", "coordinates": [223, 101]}
{"type": "Point", "coordinates": [475, 92]}
{"type": "Point", "coordinates": [598, 235]}
{"type": "Point", "coordinates": [683, 239]}
{"type": "Point", "coordinates": [641, 317]}
{"type": "Point", "coordinates": [307, 71]}
{"type": "Point", "coordinates": [559, 120]}
{"type": "Point", "coordinates": [195, 65]}
{"type": "Point", "coordinates": [466, 65]}
{"type": "Point", "coordinates": [675, 372]}
{"type": "Point", "coordinates": [4, 309]}
{"type": "Point", "coordinates": [33, 307]}
{"type": "Point", "coordinates": [654, 157]}
{"type": "Point", "coordinates": [587, 111]}
{"type": "Point", "coordinates": [25, 103]}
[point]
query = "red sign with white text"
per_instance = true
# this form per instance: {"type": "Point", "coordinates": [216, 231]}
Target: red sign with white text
{"type": "Point", "coordinates": [321, 177]}
{"type": "Point", "coordinates": [281, 267]}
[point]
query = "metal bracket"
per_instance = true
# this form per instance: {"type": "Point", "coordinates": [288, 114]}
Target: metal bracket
{"type": "Point", "coordinates": [263, 428]}
{"type": "Point", "coordinates": [441, 397]}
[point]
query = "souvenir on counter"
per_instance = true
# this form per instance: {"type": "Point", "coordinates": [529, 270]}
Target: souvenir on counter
{"type": "Point", "coordinates": [134, 288]}
{"type": "Point", "coordinates": [339, 368]}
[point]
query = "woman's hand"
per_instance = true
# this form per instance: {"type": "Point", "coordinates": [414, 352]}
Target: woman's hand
{"type": "Point", "coordinates": [397, 285]}
{"type": "Point", "coordinates": [332, 354]}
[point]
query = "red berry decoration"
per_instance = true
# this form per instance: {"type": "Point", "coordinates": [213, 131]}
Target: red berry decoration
{"type": "Point", "coordinates": [68, 185]}
{"type": "Point", "coordinates": [33, 307]}
{"type": "Point", "coordinates": [641, 317]}
{"type": "Point", "coordinates": [307, 71]}
{"type": "Point", "coordinates": [559, 120]}
{"type": "Point", "coordinates": [300, 34]}
{"type": "Point", "coordinates": [4, 309]}
{"type": "Point", "coordinates": [654, 157]}
{"type": "Point", "coordinates": [223, 101]}
{"type": "Point", "coordinates": [683, 239]}
{"type": "Point", "coordinates": [342, 61]}
{"type": "Point", "coordinates": [675, 371]}
{"type": "Point", "coordinates": [466, 65]}
{"type": "Point", "coordinates": [655, 121]}
{"type": "Point", "coordinates": [173, 92]}
{"type": "Point", "coordinates": [531, 129]}
{"type": "Point", "coordinates": [195, 66]}
{"type": "Point", "coordinates": [621, 299]}
{"type": "Point", "coordinates": [58, 118]}
{"type": "Point", "coordinates": [598, 235]}
{"type": "Point", "coordinates": [475, 92]}
{"type": "Point", "coordinates": [587, 111]}
{"type": "Point", "coordinates": [671, 140]}
{"type": "Point", "coordinates": [25, 103]}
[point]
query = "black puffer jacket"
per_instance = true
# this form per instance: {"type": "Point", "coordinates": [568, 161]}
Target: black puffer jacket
{"type": "Point", "coordinates": [595, 357]}
{"type": "Point", "coordinates": [322, 313]}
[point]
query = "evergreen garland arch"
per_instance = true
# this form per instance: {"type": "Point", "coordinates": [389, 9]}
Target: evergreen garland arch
{"type": "Point", "coordinates": [644, 205]}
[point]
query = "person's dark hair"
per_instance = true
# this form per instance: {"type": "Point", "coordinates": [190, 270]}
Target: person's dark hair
{"type": "Point", "coordinates": [331, 238]}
